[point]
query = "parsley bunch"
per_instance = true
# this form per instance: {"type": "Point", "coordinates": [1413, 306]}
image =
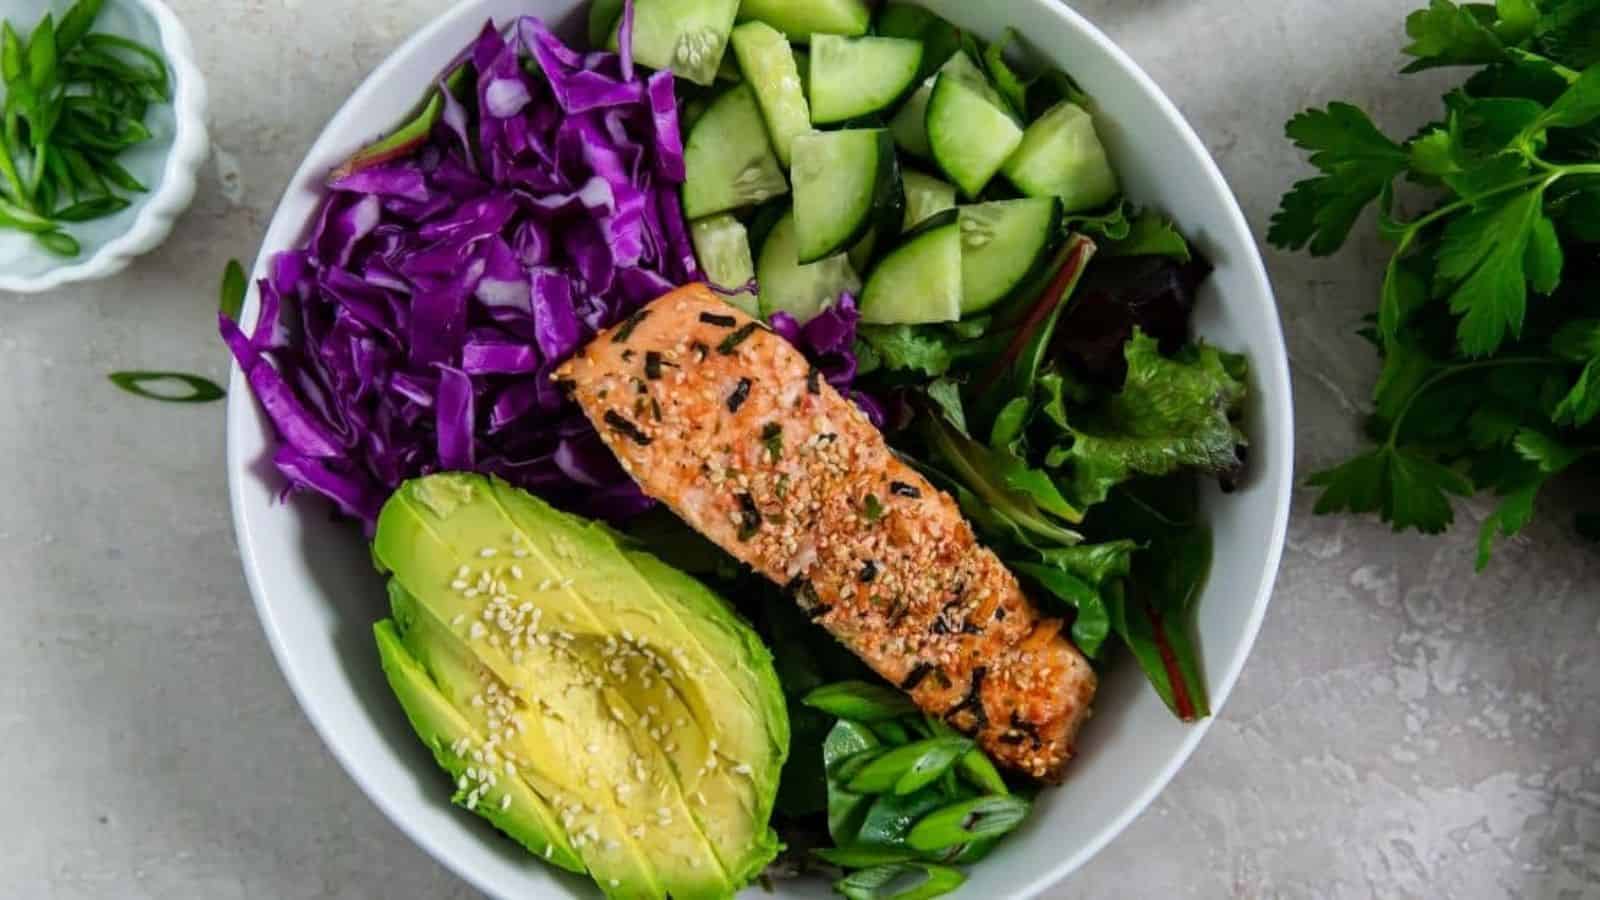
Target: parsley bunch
{"type": "Point", "coordinates": [1488, 318]}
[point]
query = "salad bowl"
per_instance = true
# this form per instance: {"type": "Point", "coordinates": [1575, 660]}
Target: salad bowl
{"type": "Point", "coordinates": [317, 594]}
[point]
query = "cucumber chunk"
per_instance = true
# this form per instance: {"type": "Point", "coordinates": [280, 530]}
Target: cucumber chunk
{"type": "Point", "coordinates": [800, 19]}
{"type": "Point", "coordinates": [686, 36]}
{"type": "Point", "coordinates": [801, 291]}
{"type": "Point", "coordinates": [969, 137]}
{"type": "Point", "coordinates": [1061, 155]}
{"type": "Point", "coordinates": [723, 247]}
{"type": "Point", "coordinates": [1002, 244]}
{"type": "Point", "coordinates": [842, 180]}
{"type": "Point", "coordinates": [920, 279]}
{"type": "Point", "coordinates": [925, 196]}
{"type": "Point", "coordinates": [768, 63]}
{"type": "Point", "coordinates": [909, 125]}
{"type": "Point", "coordinates": [728, 160]}
{"type": "Point", "coordinates": [939, 38]}
{"type": "Point", "coordinates": [855, 77]}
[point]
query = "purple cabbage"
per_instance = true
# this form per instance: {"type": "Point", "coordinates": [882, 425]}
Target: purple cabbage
{"type": "Point", "coordinates": [417, 328]}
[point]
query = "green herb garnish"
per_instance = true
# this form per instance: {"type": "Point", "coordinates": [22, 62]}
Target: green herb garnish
{"type": "Point", "coordinates": [871, 508]}
{"type": "Point", "coordinates": [200, 390]}
{"type": "Point", "coordinates": [1487, 319]}
{"type": "Point", "coordinates": [73, 101]}
{"type": "Point", "coordinates": [772, 437]}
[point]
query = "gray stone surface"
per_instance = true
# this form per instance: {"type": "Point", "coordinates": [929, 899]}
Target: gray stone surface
{"type": "Point", "coordinates": [1403, 728]}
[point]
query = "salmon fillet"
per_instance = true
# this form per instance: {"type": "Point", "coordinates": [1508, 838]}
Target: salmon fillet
{"type": "Point", "coordinates": [732, 428]}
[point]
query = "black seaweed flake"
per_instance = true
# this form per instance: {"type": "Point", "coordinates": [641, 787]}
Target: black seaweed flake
{"type": "Point", "coordinates": [700, 350]}
{"type": "Point", "coordinates": [814, 380]}
{"type": "Point", "coordinates": [628, 355]}
{"type": "Point", "coordinates": [720, 321]}
{"type": "Point", "coordinates": [652, 365]}
{"type": "Point", "coordinates": [625, 330]}
{"type": "Point", "coordinates": [731, 342]}
{"type": "Point", "coordinates": [740, 394]}
{"type": "Point", "coordinates": [623, 426]}
{"type": "Point", "coordinates": [655, 409]}
{"type": "Point", "coordinates": [868, 572]}
{"type": "Point", "coordinates": [973, 702]}
{"type": "Point", "coordinates": [806, 597]}
{"type": "Point", "coordinates": [918, 672]}
{"type": "Point", "coordinates": [749, 517]}
{"type": "Point", "coordinates": [901, 489]}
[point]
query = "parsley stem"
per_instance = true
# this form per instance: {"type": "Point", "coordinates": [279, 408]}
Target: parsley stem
{"type": "Point", "coordinates": [1452, 371]}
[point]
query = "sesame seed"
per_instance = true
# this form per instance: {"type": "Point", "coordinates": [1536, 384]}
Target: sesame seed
{"type": "Point", "coordinates": [470, 592]}
{"type": "Point", "coordinates": [505, 803]}
{"type": "Point", "coordinates": [742, 769]}
{"type": "Point", "coordinates": [614, 882]}
{"type": "Point", "coordinates": [637, 831]}
{"type": "Point", "coordinates": [459, 584]}
{"type": "Point", "coordinates": [592, 749]}
{"type": "Point", "coordinates": [478, 631]}
{"type": "Point", "coordinates": [460, 617]}
{"type": "Point", "coordinates": [487, 552]}
{"type": "Point", "coordinates": [549, 849]}
{"type": "Point", "coordinates": [516, 571]}
{"type": "Point", "coordinates": [463, 572]}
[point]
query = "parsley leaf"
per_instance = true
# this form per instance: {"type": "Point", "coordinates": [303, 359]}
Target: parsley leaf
{"type": "Point", "coordinates": [1483, 253]}
{"type": "Point", "coordinates": [1404, 487]}
{"type": "Point", "coordinates": [1445, 34]}
{"type": "Point", "coordinates": [1358, 162]}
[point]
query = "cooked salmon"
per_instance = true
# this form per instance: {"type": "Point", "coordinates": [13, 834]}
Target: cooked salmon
{"type": "Point", "coordinates": [731, 427]}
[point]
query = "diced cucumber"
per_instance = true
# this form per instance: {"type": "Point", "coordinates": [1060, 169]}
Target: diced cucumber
{"type": "Point", "coordinates": [920, 279]}
{"type": "Point", "coordinates": [768, 63]}
{"type": "Point", "coordinates": [1002, 243]}
{"type": "Point", "coordinates": [855, 77]}
{"type": "Point", "coordinates": [801, 291]}
{"type": "Point", "coordinates": [686, 36]}
{"type": "Point", "coordinates": [909, 125]}
{"type": "Point", "coordinates": [964, 69]}
{"type": "Point", "coordinates": [842, 181]}
{"type": "Point", "coordinates": [1060, 155]}
{"type": "Point", "coordinates": [925, 196]}
{"type": "Point", "coordinates": [970, 138]}
{"type": "Point", "coordinates": [723, 248]}
{"type": "Point", "coordinates": [727, 159]}
{"type": "Point", "coordinates": [939, 38]}
{"type": "Point", "coordinates": [800, 19]}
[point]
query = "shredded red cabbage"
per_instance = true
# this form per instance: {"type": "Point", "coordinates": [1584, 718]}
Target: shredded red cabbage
{"type": "Point", "coordinates": [416, 328]}
{"type": "Point", "coordinates": [828, 339]}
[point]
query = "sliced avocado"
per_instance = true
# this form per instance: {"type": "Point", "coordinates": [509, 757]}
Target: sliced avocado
{"type": "Point", "coordinates": [635, 702]}
{"type": "Point", "coordinates": [453, 740]}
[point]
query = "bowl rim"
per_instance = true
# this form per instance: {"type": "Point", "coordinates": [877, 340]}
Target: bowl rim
{"type": "Point", "coordinates": [159, 212]}
{"type": "Point", "coordinates": [1271, 371]}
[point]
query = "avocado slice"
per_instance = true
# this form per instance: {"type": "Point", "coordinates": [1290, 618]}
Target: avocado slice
{"type": "Point", "coordinates": [633, 701]}
{"type": "Point", "coordinates": [453, 740]}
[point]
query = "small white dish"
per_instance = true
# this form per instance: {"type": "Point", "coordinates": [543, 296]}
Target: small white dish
{"type": "Point", "coordinates": [317, 594]}
{"type": "Point", "coordinates": [167, 164]}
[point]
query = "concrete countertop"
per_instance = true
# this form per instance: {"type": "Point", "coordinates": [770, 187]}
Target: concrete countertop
{"type": "Point", "coordinates": [1404, 728]}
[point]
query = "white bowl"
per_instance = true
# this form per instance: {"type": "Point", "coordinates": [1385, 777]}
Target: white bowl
{"type": "Point", "coordinates": [166, 164]}
{"type": "Point", "coordinates": [317, 594]}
